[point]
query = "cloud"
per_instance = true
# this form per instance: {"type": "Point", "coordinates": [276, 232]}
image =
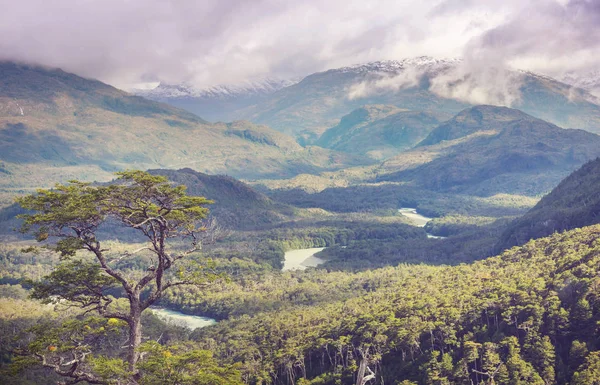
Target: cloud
{"type": "Point", "coordinates": [407, 78]}
{"type": "Point", "coordinates": [210, 42]}
{"type": "Point", "coordinates": [483, 81]}
{"type": "Point", "coordinates": [558, 38]}
{"type": "Point", "coordinates": [546, 36]}
{"type": "Point", "coordinates": [479, 84]}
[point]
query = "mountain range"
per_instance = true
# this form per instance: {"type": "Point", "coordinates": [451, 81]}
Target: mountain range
{"type": "Point", "coordinates": [486, 150]}
{"type": "Point", "coordinates": [56, 126]}
{"type": "Point", "coordinates": [400, 173]}
{"type": "Point", "coordinates": [215, 103]}
{"type": "Point", "coordinates": [306, 109]}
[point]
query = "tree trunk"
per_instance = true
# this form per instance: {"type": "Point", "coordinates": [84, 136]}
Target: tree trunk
{"type": "Point", "coordinates": [135, 338]}
{"type": "Point", "coordinates": [364, 374]}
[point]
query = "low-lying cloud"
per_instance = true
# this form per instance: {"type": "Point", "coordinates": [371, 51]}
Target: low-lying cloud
{"type": "Point", "coordinates": [464, 80]}
{"type": "Point", "coordinates": [557, 38]}
{"type": "Point", "coordinates": [211, 42]}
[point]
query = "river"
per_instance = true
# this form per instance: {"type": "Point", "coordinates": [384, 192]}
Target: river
{"type": "Point", "coordinates": [294, 260]}
{"type": "Point", "coordinates": [190, 321]}
{"type": "Point", "coordinates": [301, 259]}
{"type": "Point", "coordinates": [417, 219]}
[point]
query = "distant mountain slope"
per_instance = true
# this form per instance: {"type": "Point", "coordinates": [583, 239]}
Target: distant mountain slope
{"type": "Point", "coordinates": [316, 103]}
{"type": "Point", "coordinates": [493, 150]}
{"type": "Point", "coordinates": [218, 103]}
{"type": "Point", "coordinates": [473, 120]}
{"type": "Point", "coordinates": [237, 205]}
{"type": "Point", "coordinates": [379, 131]}
{"type": "Point", "coordinates": [308, 108]}
{"type": "Point", "coordinates": [575, 202]}
{"type": "Point", "coordinates": [56, 126]}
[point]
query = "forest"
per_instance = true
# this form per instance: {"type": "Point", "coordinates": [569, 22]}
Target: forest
{"type": "Point", "coordinates": [389, 306]}
{"type": "Point", "coordinates": [527, 316]}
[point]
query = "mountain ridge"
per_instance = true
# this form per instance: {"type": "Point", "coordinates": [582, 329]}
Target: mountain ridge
{"type": "Point", "coordinates": [512, 153]}
{"type": "Point", "coordinates": [379, 131]}
{"type": "Point", "coordinates": [316, 103]}
{"type": "Point", "coordinates": [56, 126]}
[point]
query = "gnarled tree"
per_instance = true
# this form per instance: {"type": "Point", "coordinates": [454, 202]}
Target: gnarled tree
{"type": "Point", "coordinates": [68, 218]}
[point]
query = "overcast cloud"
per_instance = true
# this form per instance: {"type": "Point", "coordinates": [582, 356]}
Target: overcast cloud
{"type": "Point", "coordinates": [124, 42]}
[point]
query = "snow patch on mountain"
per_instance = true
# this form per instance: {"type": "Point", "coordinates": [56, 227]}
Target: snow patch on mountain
{"type": "Point", "coordinates": [469, 81]}
{"type": "Point", "coordinates": [396, 66]}
{"type": "Point", "coordinates": [223, 91]}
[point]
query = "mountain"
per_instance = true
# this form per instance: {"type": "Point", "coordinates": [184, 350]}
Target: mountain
{"type": "Point", "coordinates": [574, 203]}
{"type": "Point", "coordinates": [310, 107]}
{"type": "Point", "coordinates": [217, 103]}
{"type": "Point", "coordinates": [56, 126]}
{"type": "Point", "coordinates": [473, 120]}
{"type": "Point", "coordinates": [379, 131]}
{"type": "Point", "coordinates": [486, 150]}
{"type": "Point", "coordinates": [236, 205]}
{"type": "Point", "coordinates": [307, 109]}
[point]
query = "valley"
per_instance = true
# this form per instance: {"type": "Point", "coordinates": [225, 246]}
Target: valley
{"type": "Point", "coordinates": [427, 238]}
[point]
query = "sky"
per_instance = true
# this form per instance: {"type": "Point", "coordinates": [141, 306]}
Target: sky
{"type": "Point", "coordinates": [128, 43]}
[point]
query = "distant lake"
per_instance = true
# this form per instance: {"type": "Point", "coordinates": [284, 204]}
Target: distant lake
{"type": "Point", "coordinates": [301, 259]}
{"type": "Point", "coordinates": [190, 321]}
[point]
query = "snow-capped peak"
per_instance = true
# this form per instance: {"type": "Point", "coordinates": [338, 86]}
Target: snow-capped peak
{"type": "Point", "coordinates": [223, 91]}
{"type": "Point", "coordinates": [394, 66]}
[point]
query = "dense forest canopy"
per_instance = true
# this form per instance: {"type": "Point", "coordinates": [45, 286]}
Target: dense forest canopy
{"type": "Point", "coordinates": [527, 316]}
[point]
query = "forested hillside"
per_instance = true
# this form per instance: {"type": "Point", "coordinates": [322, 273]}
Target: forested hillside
{"type": "Point", "coordinates": [575, 202]}
{"type": "Point", "coordinates": [236, 205]}
{"type": "Point", "coordinates": [379, 131]}
{"type": "Point", "coordinates": [527, 316]}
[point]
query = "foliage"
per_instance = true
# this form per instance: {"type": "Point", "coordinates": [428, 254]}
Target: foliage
{"type": "Point", "coordinates": [70, 215]}
{"type": "Point", "coordinates": [519, 318]}
{"type": "Point", "coordinates": [180, 365]}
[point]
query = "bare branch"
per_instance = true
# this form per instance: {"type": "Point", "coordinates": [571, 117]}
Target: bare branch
{"type": "Point", "coordinates": [75, 375]}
